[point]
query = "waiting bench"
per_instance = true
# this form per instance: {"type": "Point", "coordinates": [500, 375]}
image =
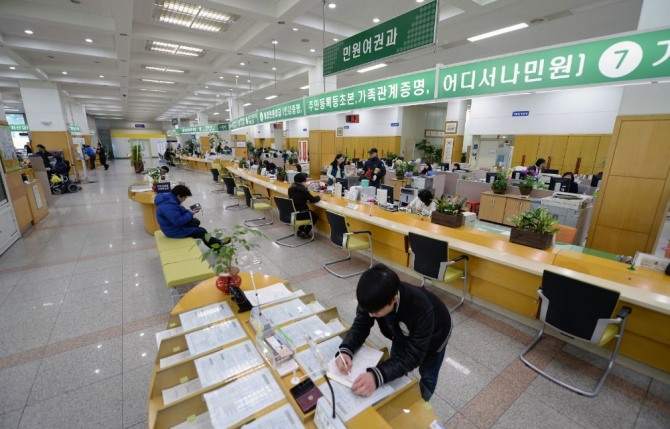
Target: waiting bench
{"type": "Point", "coordinates": [180, 259]}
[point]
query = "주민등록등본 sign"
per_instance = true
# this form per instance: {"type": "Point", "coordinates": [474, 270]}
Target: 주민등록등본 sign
{"type": "Point", "coordinates": [632, 57]}
{"type": "Point", "coordinates": [201, 129]}
{"type": "Point", "coordinates": [409, 88]}
{"type": "Point", "coordinates": [412, 30]}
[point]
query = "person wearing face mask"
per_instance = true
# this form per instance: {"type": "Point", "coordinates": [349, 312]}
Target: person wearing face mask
{"type": "Point", "coordinates": [374, 169]}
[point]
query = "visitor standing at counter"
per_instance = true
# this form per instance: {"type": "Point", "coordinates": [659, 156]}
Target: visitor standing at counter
{"type": "Point", "coordinates": [300, 195]}
{"type": "Point", "coordinates": [414, 319]}
{"type": "Point", "coordinates": [45, 154]}
{"type": "Point", "coordinates": [374, 169]}
{"type": "Point", "coordinates": [335, 169]}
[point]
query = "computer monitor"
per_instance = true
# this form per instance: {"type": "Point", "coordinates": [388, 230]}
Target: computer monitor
{"type": "Point", "coordinates": [389, 193]}
{"type": "Point", "coordinates": [388, 162]}
{"type": "Point", "coordinates": [550, 171]}
{"type": "Point", "coordinates": [518, 175]}
{"type": "Point", "coordinates": [444, 166]}
{"type": "Point", "coordinates": [595, 181]}
{"type": "Point", "coordinates": [559, 184]}
{"type": "Point", "coordinates": [353, 181]}
{"type": "Point", "coordinates": [360, 164]}
{"type": "Point", "coordinates": [343, 182]}
{"type": "Point", "coordinates": [490, 177]}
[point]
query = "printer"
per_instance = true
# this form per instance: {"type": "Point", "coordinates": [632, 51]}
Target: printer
{"type": "Point", "coordinates": [573, 210]}
{"type": "Point", "coordinates": [422, 182]}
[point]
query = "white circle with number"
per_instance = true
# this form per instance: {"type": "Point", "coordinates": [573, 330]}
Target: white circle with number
{"type": "Point", "coordinates": [620, 59]}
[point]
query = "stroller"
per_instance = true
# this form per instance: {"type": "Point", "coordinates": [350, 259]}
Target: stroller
{"type": "Point", "coordinates": [60, 179]}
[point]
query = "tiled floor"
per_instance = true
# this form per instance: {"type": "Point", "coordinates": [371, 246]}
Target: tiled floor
{"type": "Point", "coordinates": [82, 294]}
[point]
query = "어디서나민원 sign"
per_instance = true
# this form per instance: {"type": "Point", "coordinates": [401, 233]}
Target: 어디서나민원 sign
{"type": "Point", "coordinates": [411, 30]}
{"type": "Point", "coordinates": [637, 56]}
{"type": "Point", "coordinates": [409, 88]}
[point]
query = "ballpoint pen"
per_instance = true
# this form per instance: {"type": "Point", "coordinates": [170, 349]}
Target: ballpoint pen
{"type": "Point", "coordinates": [345, 364]}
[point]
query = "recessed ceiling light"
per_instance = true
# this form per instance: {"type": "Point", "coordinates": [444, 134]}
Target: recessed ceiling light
{"type": "Point", "coordinates": [215, 113]}
{"type": "Point", "coordinates": [64, 72]}
{"type": "Point", "coordinates": [498, 32]}
{"type": "Point", "coordinates": [101, 76]}
{"type": "Point", "coordinates": [28, 31]}
{"type": "Point", "coordinates": [419, 1]}
{"type": "Point", "coordinates": [274, 41]}
{"type": "Point", "coordinates": [88, 40]}
{"type": "Point", "coordinates": [246, 104]}
{"type": "Point", "coordinates": [12, 68]}
{"type": "Point", "coordinates": [237, 76]}
{"type": "Point", "coordinates": [270, 97]}
{"type": "Point", "coordinates": [274, 68]}
{"type": "Point", "coordinates": [227, 110]}
{"type": "Point", "coordinates": [242, 64]}
{"type": "Point", "coordinates": [375, 20]}
{"type": "Point", "coordinates": [248, 80]}
{"type": "Point", "coordinates": [304, 87]}
{"type": "Point", "coordinates": [335, 39]}
{"type": "Point", "coordinates": [312, 50]}
{"type": "Point", "coordinates": [332, 5]}
{"type": "Point", "coordinates": [206, 87]}
{"type": "Point", "coordinates": [295, 29]}
{"type": "Point", "coordinates": [375, 67]}
{"type": "Point", "coordinates": [220, 77]}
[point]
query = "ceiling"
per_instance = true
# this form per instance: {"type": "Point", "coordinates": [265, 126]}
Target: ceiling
{"type": "Point", "coordinates": [106, 74]}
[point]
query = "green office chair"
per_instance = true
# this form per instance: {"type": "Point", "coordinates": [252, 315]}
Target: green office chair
{"type": "Point", "coordinates": [349, 241]}
{"type": "Point", "coordinates": [430, 258]}
{"type": "Point", "coordinates": [289, 216]}
{"type": "Point", "coordinates": [580, 311]}
{"type": "Point", "coordinates": [258, 202]}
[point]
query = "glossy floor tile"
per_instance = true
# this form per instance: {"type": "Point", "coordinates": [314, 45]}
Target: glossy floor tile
{"type": "Point", "coordinates": [82, 295]}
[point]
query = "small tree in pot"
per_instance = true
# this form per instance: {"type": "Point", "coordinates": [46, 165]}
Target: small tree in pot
{"type": "Point", "coordinates": [136, 158]}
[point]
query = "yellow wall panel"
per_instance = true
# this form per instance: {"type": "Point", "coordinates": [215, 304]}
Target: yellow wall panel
{"type": "Point", "coordinates": [544, 146]}
{"type": "Point", "coordinates": [617, 241]}
{"type": "Point", "coordinates": [530, 145]}
{"type": "Point", "coordinates": [627, 207]}
{"type": "Point", "coordinates": [557, 152]}
{"type": "Point", "coordinates": [643, 160]}
{"type": "Point", "coordinates": [601, 155]}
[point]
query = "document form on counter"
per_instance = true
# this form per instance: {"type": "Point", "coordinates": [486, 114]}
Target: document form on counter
{"type": "Point", "coordinates": [282, 418]}
{"type": "Point", "coordinates": [205, 315]}
{"type": "Point", "coordinates": [309, 362]}
{"type": "Point", "coordinates": [290, 310]}
{"type": "Point", "coordinates": [297, 332]}
{"type": "Point", "coordinates": [214, 336]}
{"type": "Point", "coordinates": [227, 363]}
{"type": "Point", "coordinates": [175, 358]}
{"type": "Point", "coordinates": [181, 390]}
{"type": "Point", "coordinates": [247, 395]}
{"type": "Point", "coordinates": [266, 295]}
{"type": "Point", "coordinates": [160, 336]}
{"type": "Point", "coordinates": [363, 359]}
{"type": "Point", "coordinates": [201, 421]}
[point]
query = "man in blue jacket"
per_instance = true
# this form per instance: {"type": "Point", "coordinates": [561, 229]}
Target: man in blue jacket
{"type": "Point", "coordinates": [177, 221]}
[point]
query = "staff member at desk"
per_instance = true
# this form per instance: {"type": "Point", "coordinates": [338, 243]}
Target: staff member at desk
{"type": "Point", "coordinates": [300, 195]}
{"type": "Point", "coordinates": [423, 203]}
{"type": "Point", "coordinates": [374, 169]}
{"type": "Point", "coordinates": [335, 169]}
{"type": "Point", "coordinates": [415, 320]}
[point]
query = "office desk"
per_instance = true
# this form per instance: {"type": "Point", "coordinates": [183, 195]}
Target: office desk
{"type": "Point", "coordinates": [507, 274]}
{"type": "Point", "coordinates": [147, 206]}
{"type": "Point", "coordinates": [403, 409]}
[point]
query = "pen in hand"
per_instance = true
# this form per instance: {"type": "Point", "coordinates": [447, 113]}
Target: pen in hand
{"type": "Point", "coordinates": [345, 364]}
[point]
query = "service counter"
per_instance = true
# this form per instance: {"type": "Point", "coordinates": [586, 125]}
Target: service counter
{"type": "Point", "coordinates": [147, 206]}
{"type": "Point", "coordinates": [402, 409]}
{"type": "Point", "coordinates": [193, 163]}
{"type": "Point", "coordinates": [507, 274]}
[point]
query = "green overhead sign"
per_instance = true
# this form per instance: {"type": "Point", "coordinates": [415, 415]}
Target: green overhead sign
{"type": "Point", "coordinates": [412, 30]}
{"type": "Point", "coordinates": [74, 129]}
{"type": "Point", "coordinates": [280, 112]}
{"type": "Point", "coordinates": [19, 128]}
{"type": "Point", "coordinates": [637, 56]}
{"type": "Point", "coordinates": [411, 88]}
{"type": "Point", "coordinates": [213, 128]}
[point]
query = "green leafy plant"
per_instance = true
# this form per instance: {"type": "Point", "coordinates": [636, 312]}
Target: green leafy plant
{"type": "Point", "coordinates": [430, 152]}
{"type": "Point", "coordinates": [250, 148]}
{"type": "Point", "coordinates": [538, 220]}
{"type": "Point", "coordinates": [530, 178]}
{"type": "Point", "coordinates": [403, 168]}
{"type": "Point", "coordinates": [390, 155]}
{"type": "Point", "coordinates": [135, 154]}
{"type": "Point", "coordinates": [500, 183]}
{"type": "Point", "coordinates": [450, 204]}
{"type": "Point", "coordinates": [154, 174]}
{"type": "Point", "coordinates": [225, 256]}
{"type": "Point", "coordinates": [216, 142]}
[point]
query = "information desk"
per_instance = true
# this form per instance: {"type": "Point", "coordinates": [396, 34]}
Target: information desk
{"type": "Point", "coordinates": [402, 409]}
{"type": "Point", "coordinates": [507, 274]}
{"type": "Point", "coordinates": [193, 163]}
{"type": "Point", "coordinates": [147, 206]}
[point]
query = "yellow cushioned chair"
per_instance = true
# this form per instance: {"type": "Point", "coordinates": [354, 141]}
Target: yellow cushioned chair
{"type": "Point", "coordinates": [349, 241]}
{"type": "Point", "coordinates": [258, 202]}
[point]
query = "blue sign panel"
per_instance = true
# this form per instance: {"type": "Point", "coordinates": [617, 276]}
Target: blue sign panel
{"type": "Point", "coordinates": [521, 113]}
{"type": "Point", "coordinates": [395, 124]}
{"type": "Point", "coordinates": [140, 126]}
{"type": "Point", "coordinates": [346, 127]}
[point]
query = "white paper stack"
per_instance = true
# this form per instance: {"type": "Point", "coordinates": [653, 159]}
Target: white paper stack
{"type": "Point", "coordinates": [297, 332]}
{"type": "Point", "coordinates": [201, 421]}
{"type": "Point", "coordinates": [227, 363]}
{"type": "Point", "coordinates": [310, 363]}
{"type": "Point", "coordinates": [282, 418]}
{"type": "Point", "coordinates": [215, 336]}
{"type": "Point", "coordinates": [290, 310]}
{"type": "Point", "coordinates": [160, 336]}
{"type": "Point", "coordinates": [205, 316]}
{"type": "Point", "coordinates": [180, 391]}
{"type": "Point", "coordinates": [366, 357]}
{"type": "Point", "coordinates": [269, 294]}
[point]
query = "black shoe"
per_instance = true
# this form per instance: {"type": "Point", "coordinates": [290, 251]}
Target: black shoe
{"type": "Point", "coordinates": [106, 167]}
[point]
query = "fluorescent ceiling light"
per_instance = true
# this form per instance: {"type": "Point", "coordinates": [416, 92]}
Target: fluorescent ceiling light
{"type": "Point", "coordinates": [246, 104]}
{"type": "Point", "coordinates": [89, 40]}
{"type": "Point", "coordinates": [215, 113]}
{"type": "Point", "coordinates": [163, 69]}
{"type": "Point", "coordinates": [498, 32]}
{"type": "Point", "coordinates": [102, 76]}
{"type": "Point", "coordinates": [375, 20]}
{"type": "Point", "coordinates": [335, 39]}
{"type": "Point", "coordinates": [12, 68]}
{"type": "Point", "coordinates": [312, 50]}
{"type": "Point", "coordinates": [152, 90]}
{"type": "Point", "coordinates": [332, 5]}
{"type": "Point", "coordinates": [375, 67]}
{"type": "Point", "coordinates": [227, 110]}
{"type": "Point", "coordinates": [295, 29]}
{"type": "Point", "coordinates": [304, 87]}
{"type": "Point", "coordinates": [174, 49]}
{"type": "Point", "coordinates": [166, 82]}
{"type": "Point", "coordinates": [270, 97]}
{"type": "Point", "coordinates": [64, 72]}
{"type": "Point", "coordinates": [192, 16]}
{"type": "Point", "coordinates": [28, 31]}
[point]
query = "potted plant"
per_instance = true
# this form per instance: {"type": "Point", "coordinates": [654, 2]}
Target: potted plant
{"type": "Point", "coordinates": [136, 158]}
{"type": "Point", "coordinates": [431, 153]}
{"type": "Point", "coordinates": [154, 176]}
{"type": "Point", "coordinates": [391, 156]}
{"type": "Point", "coordinates": [529, 181]}
{"type": "Point", "coordinates": [405, 169]}
{"type": "Point", "coordinates": [499, 185]}
{"type": "Point", "coordinates": [224, 257]}
{"type": "Point", "coordinates": [281, 174]}
{"type": "Point", "coordinates": [449, 211]}
{"type": "Point", "coordinates": [535, 228]}
{"type": "Point", "coordinates": [216, 142]}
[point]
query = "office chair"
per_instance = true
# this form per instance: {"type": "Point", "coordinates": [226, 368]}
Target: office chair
{"type": "Point", "coordinates": [233, 191]}
{"type": "Point", "coordinates": [341, 237]}
{"type": "Point", "coordinates": [257, 202]}
{"type": "Point", "coordinates": [430, 258]}
{"type": "Point", "coordinates": [289, 216]}
{"type": "Point", "coordinates": [580, 311]}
